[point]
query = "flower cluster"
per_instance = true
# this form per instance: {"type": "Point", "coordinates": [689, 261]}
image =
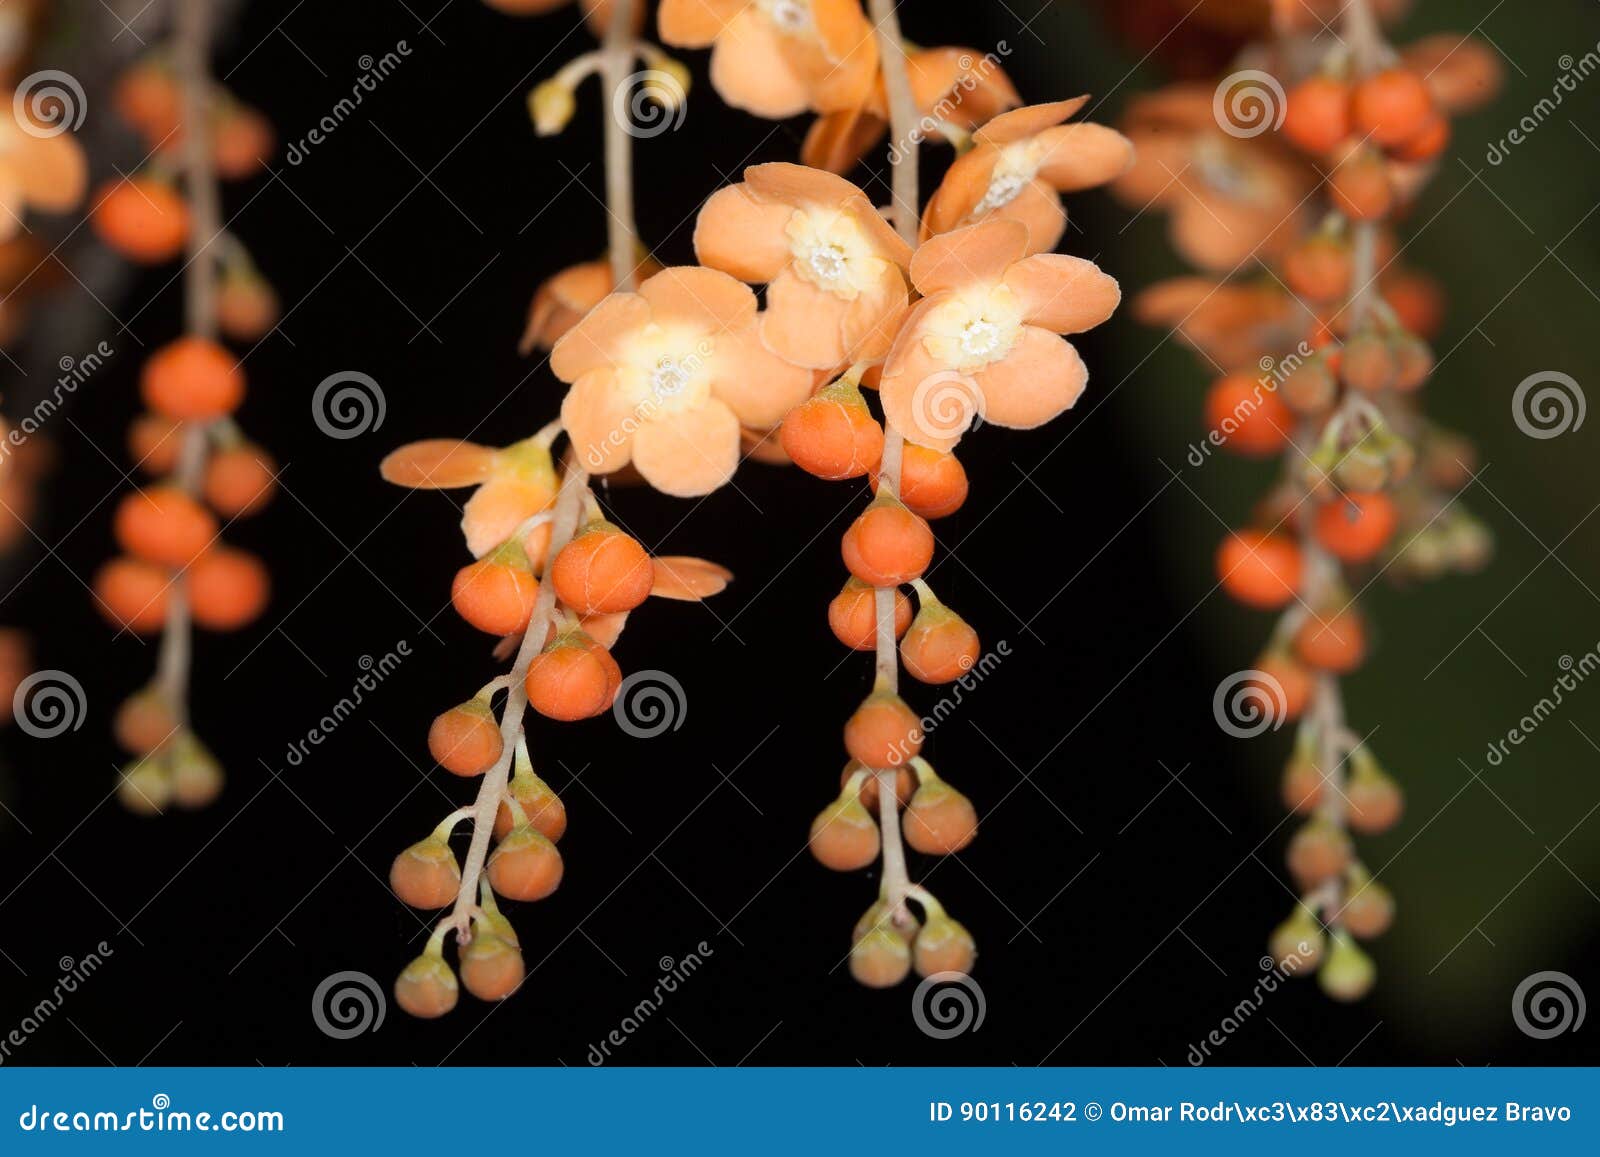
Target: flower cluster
{"type": "Point", "coordinates": [1321, 364]}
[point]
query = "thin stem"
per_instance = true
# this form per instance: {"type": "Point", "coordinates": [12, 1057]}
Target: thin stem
{"type": "Point", "coordinates": [902, 116]}
{"type": "Point", "coordinates": [616, 66]}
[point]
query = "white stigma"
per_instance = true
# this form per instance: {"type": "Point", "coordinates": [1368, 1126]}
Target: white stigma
{"type": "Point", "coordinates": [668, 378]}
{"type": "Point", "coordinates": [981, 340]}
{"type": "Point", "coordinates": [1002, 191]}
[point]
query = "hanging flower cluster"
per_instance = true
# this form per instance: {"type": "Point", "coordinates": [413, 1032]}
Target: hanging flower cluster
{"type": "Point", "coordinates": [1319, 363]}
{"type": "Point", "coordinates": [175, 572]}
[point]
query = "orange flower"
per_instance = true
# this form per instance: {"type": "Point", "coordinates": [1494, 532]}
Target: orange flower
{"type": "Point", "coordinates": [563, 299]}
{"type": "Point", "coordinates": [663, 378]}
{"type": "Point", "coordinates": [983, 341]}
{"type": "Point", "coordinates": [777, 58]}
{"type": "Point", "coordinates": [512, 485]}
{"type": "Point", "coordinates": [1233, 325]}
{"type": "Point", "coordinates": [41, 167]}
{"type": "Point", "coordinates": [1020, 164]}
{"type": "Point", "coordinates": [836, 290]}
{"type": "Point", "coordinates": [1231, 198]}
{"type": "Point", "coordinates": [953, 87]}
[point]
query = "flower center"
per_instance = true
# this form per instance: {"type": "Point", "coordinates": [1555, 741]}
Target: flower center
{"type": "Point", "coordinates": [981, 339]}
{"type": "Point", "coordinates": [668, 379]}
{"type": "Point", "coordinates": [973, 328]}
{"type": "Point", "coordinates": [827, 262]}
{"type": "Point", "coordinates": [792, 17]}
{"type": "Point", "coordinates": [1003, 190]}
{"type": "Point", "coordinates": [832, 252]}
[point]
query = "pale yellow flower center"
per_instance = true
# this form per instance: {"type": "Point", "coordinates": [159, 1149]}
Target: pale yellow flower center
{"type": "Point", "coordinates": [666, 370]}
{"type": "Point", "coordinates": [1018, 164]}
{"type": "Point", "coordinates": [791, 17]}
{"type": "Point", "coordinates": [975, 327]}
{"type": "Point", "coordinates": [833, 252]}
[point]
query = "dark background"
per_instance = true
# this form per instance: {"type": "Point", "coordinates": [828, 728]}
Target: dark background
{"type": "Point", "coordinates": [1129, 862]}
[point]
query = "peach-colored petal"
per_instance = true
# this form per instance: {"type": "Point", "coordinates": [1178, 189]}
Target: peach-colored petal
{"type": "Point", "coordinates": [970, 86]}
{"type": "Point", "coordinates": [802, 323]}
{"type": "Point", "coordinates": [599, 422]}
{"type": "Point", "coordinates": [560, 302]}
{"type": "Point", "coordinates": [1083, 156]}
{"type": "Point", "coordinates": [849, 51]}
{"type": "Point", "coordinates": [874, 318]}
{"type": "Point", "coordinates": [706, 299]}
{"type": "Point", "coordinates": [498, 507]}
{"type": "Point", "coordinates": [696, 23]}
{"type": "Point", "coordinates": [964, 185]}
{"type": "Point", "coordinates": [1161, 160]}
{"type": "Point", "coordinates": [974, 255]}
{"type": "Point", "coordinates": [764, 446]}
{"type": "Point", "coordinates": [1041, 376]}
{"type": "Point", "coordinates": [605, 629]}
{"type": "Point", "coordinates": [1038, 207]}
{"type": "Point", "coordinates": [837, 141]}
{"type": "Point", "coordinates": [688, 579]}
{"type": "Point", "coordinates": [691, 452]}
{"type": "Point", "coordinates": [758, 386]}
{"type": "Point", "coordinates": [750, 71]}
{"type": "Point", "coordinates": [12, 201]}
{"type": "Point", "coordinates": [741, 235]}
{"type": "Point", "coordinates": [438, 464]}
{"type": "Point", "coordinates": [1219, 233]}
{"type": "Point", "coordinates": [1027, 121]}
{"type": "Point", "coordinates": [799, 185]}
{"type": "Point", "coordinates": [54, 172]}
{"type": "Point", "coordinates": [1063, 294]}
{"type": "Point", "coordinates": [594, 342]}
{"type": "Point", "coordinates": [923, 398]}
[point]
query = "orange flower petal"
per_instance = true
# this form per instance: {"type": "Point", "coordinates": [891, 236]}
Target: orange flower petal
{"type": "Point", "coordinates": [758, 386]}
{"type": "Point", "coordinates": [923, 398]}
{"type": "Point", "coordinates": [874, 318]}
{"type": "Point", "coordinates": [1041, 376]}
{"type": "Point", "coordinates": [964, 185]}
{"type": "Point", "coordinates": [837, 141]}
{"type": "Point", "coordinates": [1083, 156]}
{"type": "Point", "coordinates": [977, 254]}
{"type": "Point", "coordinates": [969, 85]}
{"type": "Point", "coordinates": [799, 185]}
{"type": "Point", "coordinates": [707, 299]}
{"type": "Point", "coordinates": [689, 453]}
{"type": "Point", "coordinates": [741, 235]}
{"type": "Point", "coordinates": [54, 172]}
{"type": "Point", "coordinates": [750, 71]}
{"type": "Point", "coordinates": [594, 341]}
{"type": "Point", "coordinates": [696, 23]}
{"type": "Point", "coordinates": [1160, 162]}
{"type": "Point", "coordinates": [850, 51]}
{"type": "Point", "coordinates": [1027, 121]}
{"type": "Point", "coordinates": [599, 422]}
{"type": "Point", "coordinates": [804, 324]}
{"type": "Point", "coordinates": [438, 464]}
{"type": "Point", "coordinates": [688, 579]}
{"type": "Point", "coordinates": [1063, 294]}
{"type": "Point", "coordinates": [1038, 207]}
{"type": "Point", "coordinates": [498, 507]}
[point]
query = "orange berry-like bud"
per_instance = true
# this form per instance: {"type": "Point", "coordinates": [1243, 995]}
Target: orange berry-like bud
{"type": "Point", "coordinates": [570, 679]}
{"type": "Point", "coordinates": [933, 483]}
{"type": "Point", "coordinates": [1356, 526]}
{"type": "Point", "coordinates": [241, 141]}
{"type": "Point", "coordinates": [1370, 908]}
{"type": "Point", "coordinates": [497, 593]}
{"type": "Point", "coordinates": [491, 967]}
{"type": "Point", "coordinates": [155, 442]}
{"type": "Point", "coordinates": [880, 959]}
{"type": "Point", "coordinates": [943, 946]}
{"type": "Point", "coordinates": [603, 571]}
{"type": "Point", "coordinates": [1392, 106]}
{"type": "Point", "coordinates": [142, 218]}
{"type": "Point", "coordinates": [228, 588]}
{"type": "Point", "coordinates": [1431, 140]}
{"type": "Point", "coordinates": [465, 740]}
{"type": "Point", "coordinates": [905, 783]}
{"type": "Point", "coordinates": [888, 544]}
{"type": "Point", "coordinates": [1246, 417]}
{"type": "Point", "coordinates": [853, 615]}
{"type": "Point", "coordinates": [1292, 679]}
{"type": "Point", "coordinates": [1316, 115]}
{"type": "Point", "coordinates": [1259, 569]}
{"type": "Point", "coordinates": [1335, 641]}
{"type": "Point", "coordinates": [1298, 943]}
{"type": "Point", "coordinates": [1309, 388]}
{"type": "Point", "coordinates": [844, 836]}
{"type": "Point", "coordinates": [1375, 799]}
{"type": "Point", "coordinates": [426, 874]}
{"type": "Point", "coordinates": [145, 787]}
{"type": "Point", "coordinates": [133, 593]}
{"type": "Point", "coordinates": [247, 307]}
{"type": "Point", "coordinates": [426, 987]}
{"type": "Point", "coordinates": [832, 434]}
{"type": "Point", "coordinates": [542, 807]}
{"type": "Point", "coordinates": [148, 97]}
{"type": "Point", "coordinates": [1359, 184]}
{"type": "Point", "coordinates": [525, 865]}
{"type": "Point", "coordinates": [163, 524]}
{"type": "Point", "coordinates": [239, 480]}
{"type": "Point", "coordinates": [1348, 973]}
{"type": "Point", "coordinates": [1319, 268]}
{"type": "Point", "coordinates": [940, 820]}
{"type": "Point", "coordinates": [1303, 783]}
{"type": "Point", "coordinates": [940, 646]}
{"type": "Point", "coordinates": [883, 732]}
{"type": "Point", "coordinates": [1413, 362]}
{"type": "Point", "coordinates": [196, 775]}
{"type": "Point", "coordinates": [1318, 852]}
{"type": "Point", "coordinates": [1367, 363]}
{"type": "Point", "coordinates": [192, 379]}
{"type": "Point", "coordinates": [144, 723]}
